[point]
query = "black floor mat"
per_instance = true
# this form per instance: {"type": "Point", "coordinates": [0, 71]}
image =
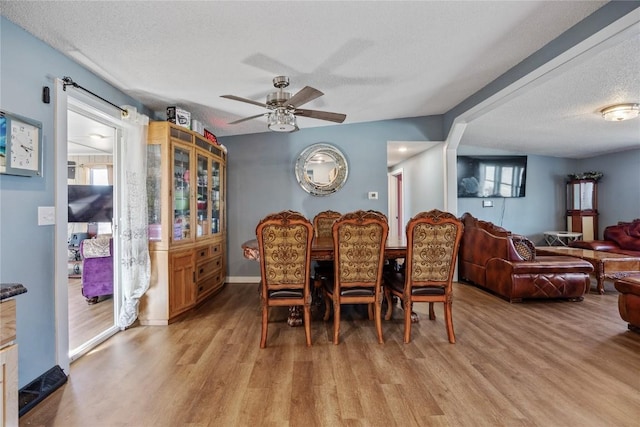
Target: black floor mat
{"type": "Point", "coordinates": [34, 392]}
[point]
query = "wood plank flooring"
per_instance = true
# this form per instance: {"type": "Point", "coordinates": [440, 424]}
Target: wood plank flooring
{"type": "Point", "coordinates": [530, 364]}
{"type": "Point", "coordinates": [86, 321]}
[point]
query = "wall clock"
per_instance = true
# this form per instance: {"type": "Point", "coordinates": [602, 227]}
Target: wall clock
{"type": "Point", "coordinates": [20, 145]}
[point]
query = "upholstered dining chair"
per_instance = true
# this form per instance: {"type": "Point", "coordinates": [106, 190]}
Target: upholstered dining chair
{"type": "Point", "coordinates": [284, 242]}
{"type": "Point", "coordinates": [433, 239]}
{"type": "Point", "coordinates": [323, 223]}
{"type": "Point", "coordinates": [322, 228]}
{"type": "Point", "coordinates": [359, 239]}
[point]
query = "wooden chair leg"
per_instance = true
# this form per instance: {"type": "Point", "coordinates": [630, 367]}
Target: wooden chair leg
{"type": "Point", "coordinates": [432, 313]}
{"type": "Point", "coordinates": [448, 318]}
{"type": "Point", "coordinates": [407, 321]}
{"type": "Point", "coordinates": [370, 311]}
{"type": "Point", "coordinates": [265, 320]}
{"type": "Point", "coordinates": [336, 320]}
{"type": "Point", "coordinates": [327, 306]}
{"type": "Point", "coordinates": [378, 317]}
{"type": "Point", "coordinates": [307, 323]}
{"type": "Point", "coordinates": [389, 298]}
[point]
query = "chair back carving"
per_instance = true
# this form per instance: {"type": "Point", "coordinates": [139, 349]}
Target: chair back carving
{"type": "Point", "coordinates": [433, 239]}
{"type": "Point", "coordinates": [323, 222]}
{"type": "Point", "coordinates": [359, 239]}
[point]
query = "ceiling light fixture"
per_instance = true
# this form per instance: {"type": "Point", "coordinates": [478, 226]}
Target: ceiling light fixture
{"type": "Point", "coordinates": [282, 120]}
{"type": "Point", "coordinates": [620, 112]}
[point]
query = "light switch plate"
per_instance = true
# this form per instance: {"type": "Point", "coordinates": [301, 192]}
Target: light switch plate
{"type": "Point", "coordinates": [373, 195]}
{"type": "Point", "coordinates": [46, 215]}
{"type": "Point", "coordinates": [487, 203]}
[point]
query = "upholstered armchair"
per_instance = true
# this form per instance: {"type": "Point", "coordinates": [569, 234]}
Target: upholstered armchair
{"type": "Point", "coordinates": [97, 268]}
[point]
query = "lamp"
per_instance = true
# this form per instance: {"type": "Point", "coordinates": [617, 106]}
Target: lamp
{"type": "Point", "coordinates": [282, 120]}
{"type": "Point", "coordinates": [620, 112]}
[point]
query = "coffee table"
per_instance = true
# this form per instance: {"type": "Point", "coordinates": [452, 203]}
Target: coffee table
{"type": "Point", "coordinates": [606, 265]}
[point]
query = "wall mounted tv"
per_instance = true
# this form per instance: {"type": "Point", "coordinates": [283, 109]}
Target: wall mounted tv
{"type": "Point", "coordinates": [90, 203]}
{"type": "Point", "coordinates": [492, 176]}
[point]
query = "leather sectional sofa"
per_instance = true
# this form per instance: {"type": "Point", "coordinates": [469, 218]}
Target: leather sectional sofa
{"type": "Point", "coordinates": [622, 238]}
{"type": "Point", "coordinates": [506, 264]}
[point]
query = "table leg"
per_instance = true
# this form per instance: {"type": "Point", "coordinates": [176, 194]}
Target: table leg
{"type": "Point", "coordinates": [599, 272]}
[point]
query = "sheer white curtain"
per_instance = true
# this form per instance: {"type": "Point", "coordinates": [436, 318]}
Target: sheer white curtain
{"type": "Point", "coordinates": [134, 247]}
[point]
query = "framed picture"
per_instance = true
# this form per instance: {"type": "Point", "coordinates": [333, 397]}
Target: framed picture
{"type": "Point", "coordinates": [20, 145]}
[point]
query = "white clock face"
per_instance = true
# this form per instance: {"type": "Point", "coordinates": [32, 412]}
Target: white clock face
{"type": "Point", "coordinates": [24, 146]}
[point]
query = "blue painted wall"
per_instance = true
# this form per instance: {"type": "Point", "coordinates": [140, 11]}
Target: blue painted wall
{"type": "Point", "coordinates": [544, 207]}
{"type": "Point", "coordinates": [261, 177]}
{"type": "Point", "coordinates": [26, 249]}
{"type": "Point", "coordinates": [619, 188]}
{"type": "Point", "coordinates": [260, 180]}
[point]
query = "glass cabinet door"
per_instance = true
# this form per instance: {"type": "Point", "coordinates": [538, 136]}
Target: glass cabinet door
{"type": "Point", "coordinates": [215, 197]}
{"type": "Point", "coordinates": [181, 195]}
{"type": "Point", "coordinates": [154, 192]}
{"type": "Point", "coordinates": [202, 196]}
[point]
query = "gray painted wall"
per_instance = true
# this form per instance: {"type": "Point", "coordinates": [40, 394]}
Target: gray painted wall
{"type": "Point", "coordinates": [26, 249]}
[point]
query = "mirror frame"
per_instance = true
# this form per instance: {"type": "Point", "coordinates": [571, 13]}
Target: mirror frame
{"type": "Point", "coordinates": [312, 187]}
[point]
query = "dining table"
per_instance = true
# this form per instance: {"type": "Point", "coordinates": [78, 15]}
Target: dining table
{"type": "Point", "coordinates": [322, 250]}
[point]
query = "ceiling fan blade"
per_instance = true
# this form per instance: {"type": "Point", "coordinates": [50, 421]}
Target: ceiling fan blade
{"type": "Point", "coordinates": [322, 115]}
{"type": "Point", "coordinates": [249, 101]}
{"type": "Point", "coordinates": [303, 96]}
{"type": "Point", "coordinates": [246, 118]}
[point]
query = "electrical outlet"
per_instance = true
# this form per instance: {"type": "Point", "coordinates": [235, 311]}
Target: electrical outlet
{"type": "Point", "coordinates": [373, 195]}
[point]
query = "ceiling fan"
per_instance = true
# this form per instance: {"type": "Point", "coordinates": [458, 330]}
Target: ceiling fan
{"type": "Point", "coordinates": [283, 108]}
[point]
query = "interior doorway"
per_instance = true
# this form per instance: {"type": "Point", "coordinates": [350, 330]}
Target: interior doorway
{"type": "Point", "coordinates": [87, 147]}
{"type": "Point", "coordinates": [90, 148]}
{"type": "Point", "coordinates": [396, 203]}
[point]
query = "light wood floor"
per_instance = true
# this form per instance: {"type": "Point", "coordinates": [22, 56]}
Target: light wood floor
{"type": "Point", "coordinates": [530, 364]}
{"type": "Point", "coordinates": [86, 321]}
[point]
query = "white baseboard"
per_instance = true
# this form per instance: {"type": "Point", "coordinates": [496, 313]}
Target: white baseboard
{"type": "Point", "coordinates": [243, 279]}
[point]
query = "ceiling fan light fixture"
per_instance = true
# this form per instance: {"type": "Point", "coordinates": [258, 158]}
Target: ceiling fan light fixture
{"type": "Point", "coordinates": [620, 112]}
{"type": "Point", "coordinates": [282, 120]}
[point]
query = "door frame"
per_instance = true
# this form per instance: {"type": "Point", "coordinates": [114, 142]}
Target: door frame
{"type": "Point", "coordinates": [396, 203]}
{"type": "Point", "coordinates": [64, 100]}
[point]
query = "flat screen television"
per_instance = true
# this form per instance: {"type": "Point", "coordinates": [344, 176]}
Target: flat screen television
{"type": "Point", "coordinates": [492, 176]}
{"type": "Point", "coordinates": [90, 203]}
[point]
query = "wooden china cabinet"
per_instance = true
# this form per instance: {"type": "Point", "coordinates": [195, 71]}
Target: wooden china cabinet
{"type": "Point", "coordinates": [187, 223]}
{"type": "Point", "coordinates": [582, 207]}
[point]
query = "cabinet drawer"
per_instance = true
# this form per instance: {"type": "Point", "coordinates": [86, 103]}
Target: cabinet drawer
{"type": "Point", "coordinates": [215, 248]}
{"type": "Point", "coordinates": [202, 253]}
{"type": "Point", "coordinates": [208, 267]}
{"type": "Point", "coordinates": [210, 284]}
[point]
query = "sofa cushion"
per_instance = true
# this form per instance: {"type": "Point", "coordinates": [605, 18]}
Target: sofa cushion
{"type": "Point", "coordinates": [625, 234]}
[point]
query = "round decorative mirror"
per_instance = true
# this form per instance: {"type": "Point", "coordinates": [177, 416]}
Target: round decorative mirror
{"type": "Point", "coordinates": [321, 169]}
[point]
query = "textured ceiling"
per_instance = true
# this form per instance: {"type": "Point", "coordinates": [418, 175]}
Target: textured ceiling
{"type": "Point", "coordinates": [373, 60]}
